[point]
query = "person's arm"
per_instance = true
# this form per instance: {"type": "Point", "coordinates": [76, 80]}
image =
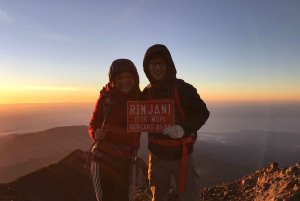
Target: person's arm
{"type": "Point", "coordinates": [196, 110]}
{"type": "Point", "coordinates": [97, 118]}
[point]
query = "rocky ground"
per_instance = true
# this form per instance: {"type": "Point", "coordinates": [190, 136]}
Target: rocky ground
{"type": "Point", "coordinates": [269, 183]}
{"type": "Point", "coordinates": [67, 180]}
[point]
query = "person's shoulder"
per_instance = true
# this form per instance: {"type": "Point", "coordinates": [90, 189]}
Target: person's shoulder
{"type": "Point", "coordinates": [181, 84]}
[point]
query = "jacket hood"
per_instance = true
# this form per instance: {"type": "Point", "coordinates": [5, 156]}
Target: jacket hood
{"type": "Point", "coordinates": [163, 51]}
{"type": "Point", "coordinates": [120, 66]}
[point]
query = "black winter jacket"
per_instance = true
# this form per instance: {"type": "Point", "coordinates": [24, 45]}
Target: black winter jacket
{"type": "Point", "coordinates": [193, 106]}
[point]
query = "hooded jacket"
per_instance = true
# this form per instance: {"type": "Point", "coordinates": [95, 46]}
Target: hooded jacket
{"type": "Point", "coordinates": [193, 106]}
{"type": "Point", "coordinates": [116, 122]}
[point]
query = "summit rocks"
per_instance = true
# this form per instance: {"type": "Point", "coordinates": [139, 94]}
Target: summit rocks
{"type": "Point", "coordinates": [269, 183]}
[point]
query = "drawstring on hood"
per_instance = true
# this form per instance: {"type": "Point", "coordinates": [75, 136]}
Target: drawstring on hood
{"type": "Point", "coordinates": [160, 50]}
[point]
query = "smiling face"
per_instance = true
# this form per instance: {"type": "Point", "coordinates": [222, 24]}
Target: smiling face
{"type": "Point", "coordinates": [124, 81]}
{"type": "Point", "coordinates": [157, 68]}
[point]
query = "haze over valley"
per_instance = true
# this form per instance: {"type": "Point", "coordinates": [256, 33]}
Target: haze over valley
{"type": "Point", "coordinates": [236, 140]}
{"type": "Point", "coordinates": [225, 117]}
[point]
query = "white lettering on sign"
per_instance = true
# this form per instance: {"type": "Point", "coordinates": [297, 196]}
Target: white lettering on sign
{"type": "Point", "coordinates": [153, 108]}
{"type": "Point", "coordinates": [149, 116]}
{"type": "Point", "coordinates": [147, 127]}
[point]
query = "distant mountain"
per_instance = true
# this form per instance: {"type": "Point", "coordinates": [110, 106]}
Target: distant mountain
{"type": "Point", "coordinates": [10, 173]}
{"type": "Point", "coordinates": [16, 149]}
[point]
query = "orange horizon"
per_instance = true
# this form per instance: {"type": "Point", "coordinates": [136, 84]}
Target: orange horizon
{"type": "Point", "coordinates": [206, 101]}
{"type": "Point", "coordinates": [90, 95]}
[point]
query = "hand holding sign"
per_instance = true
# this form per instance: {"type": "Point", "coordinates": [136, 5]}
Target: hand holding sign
{"type": "Point", "coordinates": [174, 131]}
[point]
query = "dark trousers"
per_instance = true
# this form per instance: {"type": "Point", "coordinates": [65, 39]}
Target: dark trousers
{"type": "Point", "coordinates": [113, 179]}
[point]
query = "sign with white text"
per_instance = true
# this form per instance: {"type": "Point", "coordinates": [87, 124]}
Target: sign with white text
{"type": "Point", "coordinates": [149, 116]}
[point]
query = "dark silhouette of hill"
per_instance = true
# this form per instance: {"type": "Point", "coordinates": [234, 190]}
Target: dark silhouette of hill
{"type": "Point", "coordinates": [4, 138]}
{"type": "Point", "coordinates": [63, 181]}
{"type": "Point", "coordinates": [10, 173]}
{"type": "Point", "coordinates": [16, 149]}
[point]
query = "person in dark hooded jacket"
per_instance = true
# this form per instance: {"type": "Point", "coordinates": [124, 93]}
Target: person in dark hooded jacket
{"type": "Point", "coordinates": [112, 167]}
{"type": "Point", "coordinates": [171, 151]}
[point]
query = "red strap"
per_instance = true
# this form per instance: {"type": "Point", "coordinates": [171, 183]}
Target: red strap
{"type": "Point", "coordinates": [177, 100]}
{"type": "Point", "coordinates": [183, 166]}
{"type": "Point", "coordinates": [181, 142]}
{"type": "Point", "coordinates": [172, 143]}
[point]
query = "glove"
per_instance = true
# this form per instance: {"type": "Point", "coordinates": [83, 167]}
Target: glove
{"type": "Point", "coordinates": [174, 131]}
{"type": "Point", "coordinates": [100, 134]}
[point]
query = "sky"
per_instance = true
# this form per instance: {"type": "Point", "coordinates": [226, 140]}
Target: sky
{"type": "Point", "coordinates": [61, 51]}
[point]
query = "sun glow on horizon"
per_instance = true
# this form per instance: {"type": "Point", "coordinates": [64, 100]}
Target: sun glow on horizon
{"type": "Point", "coordinates": [46, 94]}
{"type": "Point", "coordinates": [49, 94]}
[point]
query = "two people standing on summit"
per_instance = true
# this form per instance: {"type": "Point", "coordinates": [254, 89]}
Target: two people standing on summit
{"type": "Point", "coordinates": [171, 151]}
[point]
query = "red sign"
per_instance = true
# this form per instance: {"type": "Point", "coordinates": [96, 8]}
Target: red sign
{"type": "Point", "coordinates": [149, 116]}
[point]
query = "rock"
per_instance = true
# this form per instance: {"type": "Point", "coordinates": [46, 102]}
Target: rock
{"type": "Point", "coordinates": [296, 187]}
{"type": "Point", "coordinates": [291, 170]}
{"type": "Point", "coordinates": [289, 185]}
{"type": "Point", "coordinates": [273, 167]}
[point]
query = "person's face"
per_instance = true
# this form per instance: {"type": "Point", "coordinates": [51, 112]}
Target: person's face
{"type": "Point", "coordinates": [157, 68]}
{"type": "Point", "coordinates": [124, 81]}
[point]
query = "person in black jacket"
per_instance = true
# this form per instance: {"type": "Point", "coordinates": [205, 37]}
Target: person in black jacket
{"type": "Point", "coordinates": [171, 151]}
